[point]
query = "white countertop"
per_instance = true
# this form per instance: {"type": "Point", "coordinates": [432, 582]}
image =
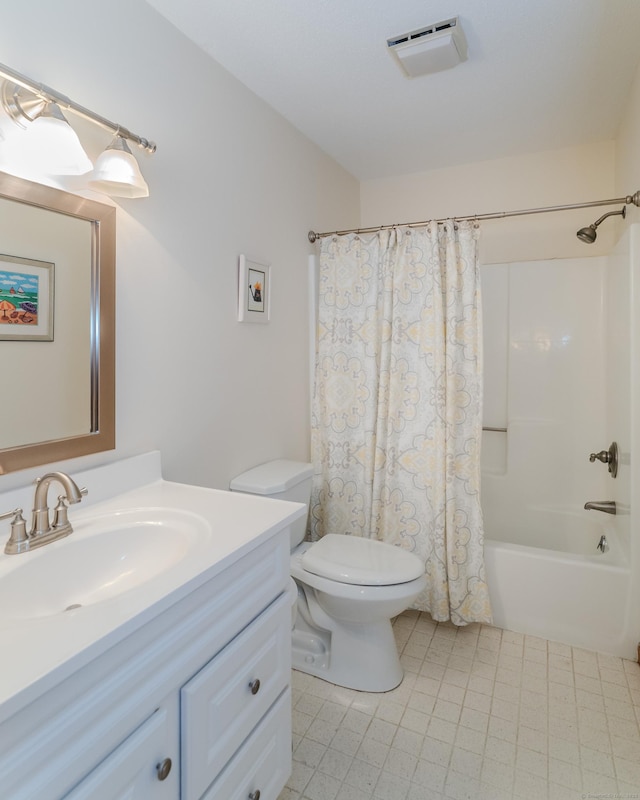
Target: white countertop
{"type": "Point", "coordinates": [39, 652]}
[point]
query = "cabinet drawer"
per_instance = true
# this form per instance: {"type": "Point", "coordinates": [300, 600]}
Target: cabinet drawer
{"type": "Point", "coordinates": [222, 704]}
{"type": "Point", "coordinates": [131, 772]}
{"type": "Point", "coordinates": [263, 763]}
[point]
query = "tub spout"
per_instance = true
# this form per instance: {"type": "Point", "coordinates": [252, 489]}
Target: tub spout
{"type": "Point", "coordinates": [608, 506]}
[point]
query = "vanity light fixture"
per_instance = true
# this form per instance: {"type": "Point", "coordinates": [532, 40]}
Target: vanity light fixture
{"type": "Point", "coordinates": [48, 146]}
{"type": "Point", "coordinates": [38, 139]}
{"type": "Point", "coordinates": [117, 173]}
{"type": "Point", "coordinates": [51, 129]}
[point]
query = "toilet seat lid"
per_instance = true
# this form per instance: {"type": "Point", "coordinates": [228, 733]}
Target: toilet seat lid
{"type": "Point", "coordinates": [360, 561]}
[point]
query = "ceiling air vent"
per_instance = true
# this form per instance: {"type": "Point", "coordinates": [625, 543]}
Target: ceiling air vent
{"type": "Point", "coordinates": [430, 49]}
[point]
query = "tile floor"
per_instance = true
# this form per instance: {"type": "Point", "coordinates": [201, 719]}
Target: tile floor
{"type": "Point", "coordinates": [482, 714]}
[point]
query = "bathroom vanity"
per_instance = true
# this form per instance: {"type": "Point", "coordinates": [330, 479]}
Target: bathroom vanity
{"type": "Point", "coordinates": [172, 682]}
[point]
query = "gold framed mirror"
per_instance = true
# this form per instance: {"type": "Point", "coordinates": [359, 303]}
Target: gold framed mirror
{"type": "Point", "coordinates": [57, 324]}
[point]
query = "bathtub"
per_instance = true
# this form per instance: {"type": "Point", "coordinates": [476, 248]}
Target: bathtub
{"type": "Point", "coordinates": [548, 579]}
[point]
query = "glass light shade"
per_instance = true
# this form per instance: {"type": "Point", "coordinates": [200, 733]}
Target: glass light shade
{"type": "Point", "coordinates": [50, 146]}
{"type": "Point", "coordinates": [117, 173]}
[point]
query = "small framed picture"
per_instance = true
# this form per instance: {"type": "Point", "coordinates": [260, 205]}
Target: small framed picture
{"type": "Point", "coordinates": [26, 299]}
{"type": "Point", "coordinates": [254, 290]}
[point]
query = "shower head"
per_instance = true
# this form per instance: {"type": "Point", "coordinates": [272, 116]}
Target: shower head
{"type": "Point", "coordinates": [588, 234]}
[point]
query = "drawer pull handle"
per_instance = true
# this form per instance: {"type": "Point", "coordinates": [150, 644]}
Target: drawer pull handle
{"type": "Point", "coordinates": [255, 795]}
{"type": "Point", "coordinates": [164, 768]}
{"type": "Point", "coordinates": [255, 688]}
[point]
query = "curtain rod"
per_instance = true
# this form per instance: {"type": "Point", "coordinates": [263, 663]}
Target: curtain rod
{"type": "Point", "coordinates": [630, 198]}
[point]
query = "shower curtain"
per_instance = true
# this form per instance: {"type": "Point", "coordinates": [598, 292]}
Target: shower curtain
{"type": "Point", "coordinates": [396, 419]}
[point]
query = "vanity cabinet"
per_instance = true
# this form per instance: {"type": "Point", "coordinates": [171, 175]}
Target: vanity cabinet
{"type": "Point", "coordinates": [139, 768]}
{"type": "Point", "coordinates": [193, 704]}
{"type": "Point", "coordinates": [227, 698]}
{"type": "Point", "coordinates": [263, 763]}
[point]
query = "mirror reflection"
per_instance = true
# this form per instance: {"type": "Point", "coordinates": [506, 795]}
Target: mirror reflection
{"type": "Point", "coordinates": [57, 265]}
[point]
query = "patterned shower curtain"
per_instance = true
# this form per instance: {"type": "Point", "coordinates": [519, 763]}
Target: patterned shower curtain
{"type": "Point", "coordinates": [396, 420]}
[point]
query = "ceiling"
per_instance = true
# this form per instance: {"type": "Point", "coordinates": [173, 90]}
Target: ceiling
{"type": "Point", "coordinates": [540, 74]}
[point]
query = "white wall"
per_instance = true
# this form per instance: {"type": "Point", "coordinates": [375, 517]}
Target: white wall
{"type": "Point", "coordinates": [625, 377]}
{"type": "Point", "coordinates": [570, 175]}
{"type": "Point", "coordinates": [627, 167]}
{"type": "Point", "coordinates": [230, 176]}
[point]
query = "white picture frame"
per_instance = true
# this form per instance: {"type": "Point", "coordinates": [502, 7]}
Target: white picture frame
{"type": "Point", "coordinates": [254, 290]}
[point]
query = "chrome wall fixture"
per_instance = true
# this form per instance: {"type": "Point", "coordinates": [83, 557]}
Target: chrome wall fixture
{"type": "Point", "coordinates": [609, 457]}
{"type": "Point", "coordinates": [35, 137]}
{"type": "Point", "coordinates": [588, 235]}
{"type": "Point", "coordinates": [606, 506]}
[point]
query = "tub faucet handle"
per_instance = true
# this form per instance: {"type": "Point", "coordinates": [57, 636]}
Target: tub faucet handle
{"type": "Point", "coordinates": [609, 457]}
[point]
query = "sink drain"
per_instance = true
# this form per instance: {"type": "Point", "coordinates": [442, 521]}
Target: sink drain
{"type": "Point", "coordinates": [72, 606]}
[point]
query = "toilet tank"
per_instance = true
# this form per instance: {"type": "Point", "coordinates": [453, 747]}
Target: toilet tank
{"type": "Point", "coordinates": [282, 480]}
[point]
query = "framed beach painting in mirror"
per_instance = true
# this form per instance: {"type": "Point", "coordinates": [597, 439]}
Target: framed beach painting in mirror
{"type": "Point", "coordinates": [26, 299]}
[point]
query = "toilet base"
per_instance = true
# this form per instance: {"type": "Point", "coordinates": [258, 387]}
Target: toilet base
{"type": "Point", "coordinates": [361, 657]}
{"type": "Point", "coordinates": [343, 632]}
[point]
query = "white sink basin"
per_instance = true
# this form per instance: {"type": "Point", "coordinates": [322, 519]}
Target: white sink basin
{"type": "Point", "coordinates": [105, 557]}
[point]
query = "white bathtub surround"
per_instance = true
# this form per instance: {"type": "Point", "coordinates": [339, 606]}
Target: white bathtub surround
{"type": "Point", "coordinates": [557, 377]}
{"type": "Point", "coordinates": [397, 404]}
{"type": "Point", "coordinates": [483, 713]}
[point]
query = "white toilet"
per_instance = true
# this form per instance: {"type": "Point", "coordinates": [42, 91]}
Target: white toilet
{"type": "Point", "coordinates": [349, 588]}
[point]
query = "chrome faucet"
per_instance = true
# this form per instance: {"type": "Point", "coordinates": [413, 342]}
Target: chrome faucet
{"type": "Point", "coordinates": [608, 506]}
{"type": "Point", "coordinates": [43, 529]}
